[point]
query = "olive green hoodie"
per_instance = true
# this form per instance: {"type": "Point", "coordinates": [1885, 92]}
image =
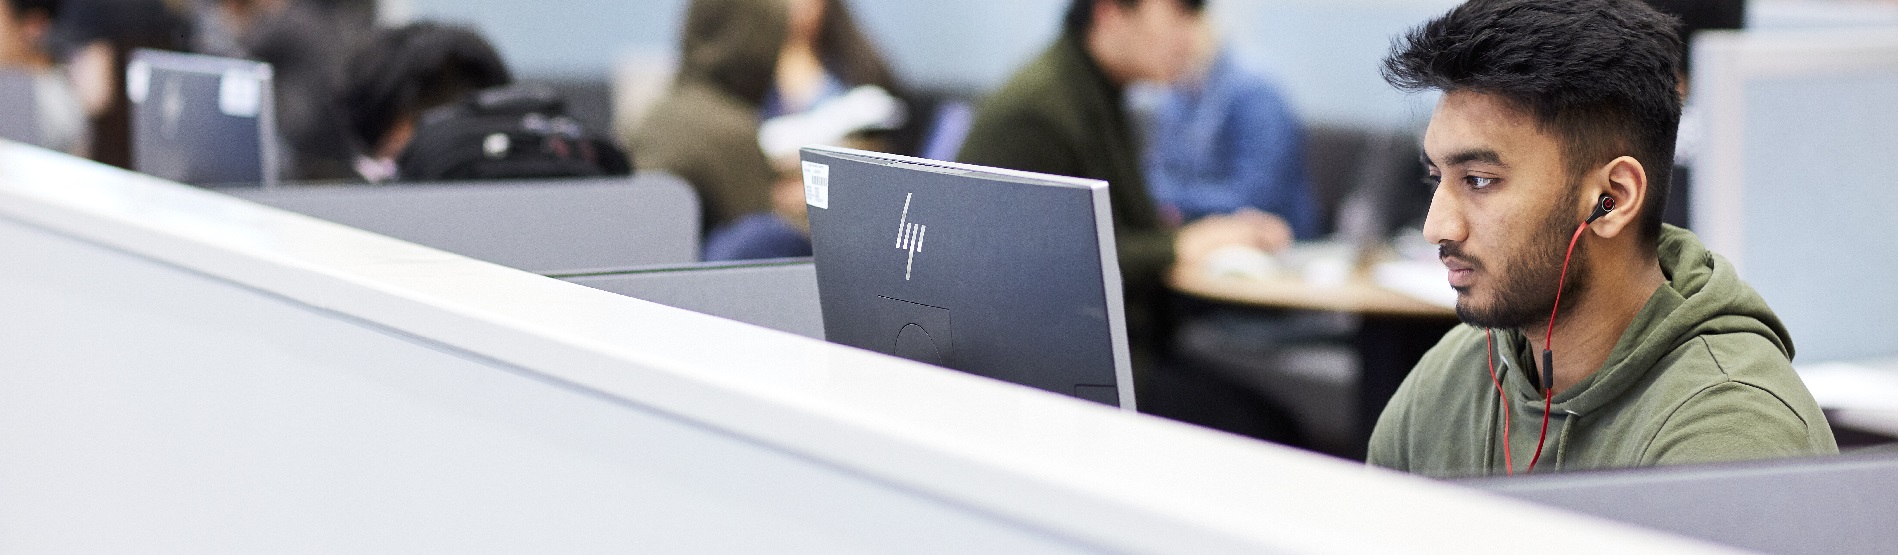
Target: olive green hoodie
{"type": "Point", "coordinates": [1702, 374]}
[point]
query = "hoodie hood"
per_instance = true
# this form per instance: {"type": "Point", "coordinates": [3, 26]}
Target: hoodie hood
{"type": "Point", "coordinates": [1703, 296]}
{"type": "Point", "coordinates": [732, 45]}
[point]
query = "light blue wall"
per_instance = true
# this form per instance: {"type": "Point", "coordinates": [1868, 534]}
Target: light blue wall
{"type": "Point", "coordinates": [1821, 191]}
{"type": "Point", "coordinates": [1325, 52]}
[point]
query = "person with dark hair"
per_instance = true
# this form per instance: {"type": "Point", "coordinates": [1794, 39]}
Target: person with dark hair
{"type": "Point", "coordinates": [26, 27]}
{"type": "Point", "coordinates": [400, 73]}
{"type": "Point", "coordinates": [1610, 339]}
{"type": "Point", "coordinates": [1064, 114]}
{"type": "Point", "coordinates": [829, 86]}
{"type": "Point", "coordinates": [824, 56]}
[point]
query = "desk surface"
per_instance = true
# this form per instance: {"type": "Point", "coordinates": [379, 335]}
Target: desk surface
{"type": "Point", "coordinates": [1358, 294]}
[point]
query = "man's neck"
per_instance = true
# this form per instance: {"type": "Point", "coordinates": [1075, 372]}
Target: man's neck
{"type": "Point", "coordinates": [1588, 328]}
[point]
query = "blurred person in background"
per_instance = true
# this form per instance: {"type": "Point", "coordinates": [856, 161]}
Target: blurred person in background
{"type": "Point", "coordinates": [306, 44]}
{"type": "Point", "coordinates": [830, 87]}
{"type": "Point", "coordinates": [402, 72]}
{"type": "Point", "coordinates": [97, 37]}
{"type": "Point", "coordinates": [26, 28]}
{"type": "Point", "coordinates": [757, 79]}
{"type": "Point", "coordinates": [824, 56]}
{"type": "Point", "coordinates": [1065, 114]}
{"type": "Point", "coordinates": [1224, 139]}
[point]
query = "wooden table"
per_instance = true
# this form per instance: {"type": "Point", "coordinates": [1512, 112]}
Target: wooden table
{"type": "Point", "coordinates": [1359, 294]}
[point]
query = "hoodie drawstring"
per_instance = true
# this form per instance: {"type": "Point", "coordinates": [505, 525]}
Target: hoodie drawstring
{"type": "Point", "coordinates": [1561, 440]}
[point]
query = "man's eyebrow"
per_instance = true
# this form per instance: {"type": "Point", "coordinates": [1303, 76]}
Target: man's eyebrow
{"type": "Point", "coordinates": [1483, 155]}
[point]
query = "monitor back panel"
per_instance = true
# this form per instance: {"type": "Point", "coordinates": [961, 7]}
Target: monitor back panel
{"type": "Point", "coordinates": [997, 276]}
{"type": "Point", "coordinates": [19, 113]}
{"type": "Point", "coordinates": [778, 294]}
{"type": "Point", "coordinates": [202, 120]}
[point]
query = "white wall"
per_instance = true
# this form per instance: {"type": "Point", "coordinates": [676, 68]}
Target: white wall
{"type": "Point", "coordinates": [1325, 52]}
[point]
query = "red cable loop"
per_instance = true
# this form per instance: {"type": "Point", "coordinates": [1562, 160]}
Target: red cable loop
{"type": "Point", "coordinates": [1548, 343]}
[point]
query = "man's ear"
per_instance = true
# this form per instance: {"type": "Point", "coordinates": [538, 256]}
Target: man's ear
{"type": "Point", "coordinates": [1625, 181]}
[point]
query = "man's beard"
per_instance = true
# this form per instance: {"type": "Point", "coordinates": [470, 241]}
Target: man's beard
{"type": "Point", "coordinates": [1525, 284]}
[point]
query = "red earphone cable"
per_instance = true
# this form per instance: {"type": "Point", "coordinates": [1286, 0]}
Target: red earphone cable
{"type": "Point", "coordinates": [1548, 345]}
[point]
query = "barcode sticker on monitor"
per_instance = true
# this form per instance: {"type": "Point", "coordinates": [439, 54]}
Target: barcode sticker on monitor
{"type": "Point", "coordinates": [817, 185]}
{"type": "Point", "coordinates": [239, 94]}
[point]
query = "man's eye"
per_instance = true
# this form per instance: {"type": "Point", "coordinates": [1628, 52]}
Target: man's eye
{"type": "Point", "coordinates": [1480, 182]}
{"type": "Point", "coordinates": [1432, 181]}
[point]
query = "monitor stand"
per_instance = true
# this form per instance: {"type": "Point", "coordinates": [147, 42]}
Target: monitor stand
{"type": "Point", "coordinates": [918, 331]}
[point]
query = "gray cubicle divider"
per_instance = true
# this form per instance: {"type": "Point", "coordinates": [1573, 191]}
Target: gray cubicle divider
{"type": "Point", "coordinates": [542, 226]}
{"type": "Point", "coordinates": [1841, 504]}
{"type": "Point", "coordinates": [778, 294]}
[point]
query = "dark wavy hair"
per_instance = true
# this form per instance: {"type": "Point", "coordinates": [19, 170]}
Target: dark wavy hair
{"type": "Point", "coordinates": [1600, 75]}
{"type": "Point", "coordinates": [407, 70]}
{"type": "Point", "coordinates": [1080, 18]}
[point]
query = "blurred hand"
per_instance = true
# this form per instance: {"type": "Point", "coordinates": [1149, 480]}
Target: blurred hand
{"type": "Point", "coordinates": [1245, 228]}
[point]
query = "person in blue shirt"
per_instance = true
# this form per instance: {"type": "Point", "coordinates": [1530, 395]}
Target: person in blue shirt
{"type": "Point", "coordinates": [1224, 139]}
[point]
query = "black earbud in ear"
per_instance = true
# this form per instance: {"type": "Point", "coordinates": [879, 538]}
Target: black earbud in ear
{"type": "Point", "coordinates": [1602, 208]}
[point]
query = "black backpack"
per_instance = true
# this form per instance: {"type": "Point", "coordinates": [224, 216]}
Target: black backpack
{"type": "Point", "coordinates": [508, 132]}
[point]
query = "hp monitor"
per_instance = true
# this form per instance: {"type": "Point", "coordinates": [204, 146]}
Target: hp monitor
{"type": "Point", "coordinates": [202, 120]}
{"type": "Point", "coordinates": [1004, 274]}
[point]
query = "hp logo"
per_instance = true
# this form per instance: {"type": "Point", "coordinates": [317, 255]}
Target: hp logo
{"type": "Point", "coordinates": [909, 236]}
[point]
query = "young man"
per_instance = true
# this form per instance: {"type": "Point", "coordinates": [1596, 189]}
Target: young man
{"type": "Point", "coordinates": [24, 29]}
{"type": "Point", "coordinates": [1553, 114]}
{"type": "Point", "coordinates": [1063, 114]}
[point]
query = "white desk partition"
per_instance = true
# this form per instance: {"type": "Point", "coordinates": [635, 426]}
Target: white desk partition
{"type": "Point", "coordinates": [186, 372]}
{"type": "Point", "coordinates": [541, 225]}
{"type": "Point", "coordinates": [1797, 183]}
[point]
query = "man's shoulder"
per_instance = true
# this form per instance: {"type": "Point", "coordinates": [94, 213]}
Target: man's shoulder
{"type": "Point", "coordinates": [1712, 359]}
{"type": "Point", "coordinates": [1034, 122]}
{"type": "Point", "coordinates": [1447, 360]}
{"type": "Point", "coordinates": [1425, 414]}
{"type": "Point", "coordinates": [1452, 368]}
{"type": "Point", "coordinates": [1037, 92]}
{"type": "Point", "coordinates": [1731, 396]}
{"type": "Point", "coordinates": [1727, 366]}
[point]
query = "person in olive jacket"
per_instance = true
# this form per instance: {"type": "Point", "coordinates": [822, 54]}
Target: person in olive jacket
{"type": "Point", "coordinates": [1063, 114]}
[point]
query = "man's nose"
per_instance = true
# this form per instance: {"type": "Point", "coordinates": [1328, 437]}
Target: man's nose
{"type": "Point", "coordinates": [1444, 222]}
